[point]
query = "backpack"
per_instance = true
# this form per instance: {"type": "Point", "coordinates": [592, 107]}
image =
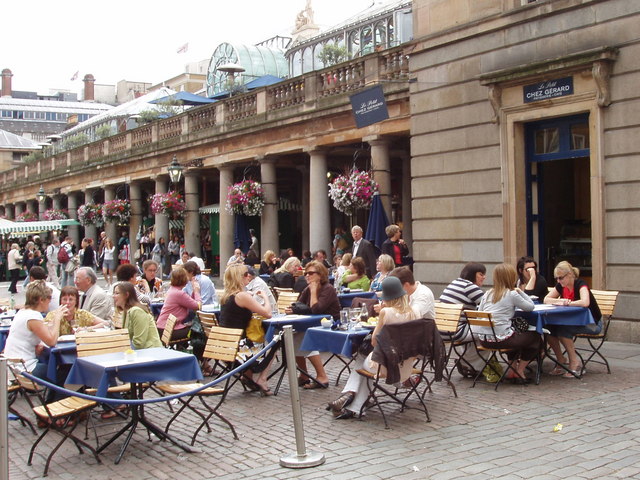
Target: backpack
{"type": "Point", "coordinates": [63, 255]}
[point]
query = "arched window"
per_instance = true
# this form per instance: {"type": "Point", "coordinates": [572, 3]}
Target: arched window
{"type": "Point", "coordinates": [296, 66]}
{"type": "Point", "coordinates": [307, 60]}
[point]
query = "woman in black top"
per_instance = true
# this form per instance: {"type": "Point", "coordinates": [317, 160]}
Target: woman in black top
{"type": "Point", "coordinates": [529, 279]}
{"type": "Point", "coordinates": [237, 307]}
{"type": "Point", "coordinates": [89, 255]}
{"type": "Point", "coordinates": [570, 291]}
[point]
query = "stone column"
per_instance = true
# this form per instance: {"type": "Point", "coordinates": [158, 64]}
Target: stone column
{"type": "Point", "coordinates": [72, 206]}
{"type": "Point", "coordinates": [382, 171]}
{"type": "Point", "coordinates": [111, 228]}
{"type": "Point", "coordinates": [90, 231]}
{"type": "Point", "coordinates": [269, 222]}
{"type": "Point", "coordinates": [57, 201]}
{"type": "Point", "coordinates": [31, 206]}
{"type": "Point", "coordinates": [407, 215]}
{"type": "Point", "coordinates": [161, 227]}
{"type": "Point", "coordinates": [226, 218]}
{"type": "Point", "coordinates": [319, 220]}
{"type": "Point", "coordinates": [20, 206]}
{"type": "Point", "coordinates": [304, 204]}
{"type": "Point", "coordinates": [191, 215]}
{"type": "Point", "coordinates": [135, 193]}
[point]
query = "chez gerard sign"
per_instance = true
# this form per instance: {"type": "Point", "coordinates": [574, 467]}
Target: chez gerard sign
{"type": "Point", "coordinates": [559, 87]}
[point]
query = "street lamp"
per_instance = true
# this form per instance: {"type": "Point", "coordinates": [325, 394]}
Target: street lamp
{"type": "Point", "coordinates": [41, 196]}
{"type": "Point", "coordinates": [175, 170]}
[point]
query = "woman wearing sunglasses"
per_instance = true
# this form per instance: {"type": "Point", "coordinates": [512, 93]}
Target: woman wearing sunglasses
{"type": "Point", "coordinates": [570, 291]}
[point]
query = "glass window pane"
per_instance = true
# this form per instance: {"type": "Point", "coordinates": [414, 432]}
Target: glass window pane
{"type": "Point", "coordinates": [547, 140]}
{"type": "Point", "coordinates": [579, 136]}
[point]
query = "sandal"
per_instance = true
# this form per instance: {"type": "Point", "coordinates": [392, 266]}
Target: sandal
{"type": "Point", "coordinates": [249, 384]}
{"type": "Point", "coordinates": [315, 384]}
{"type": "Point", "coordinates": [303, 381]}
{"type": "Point", "coordinates": [559, 370]}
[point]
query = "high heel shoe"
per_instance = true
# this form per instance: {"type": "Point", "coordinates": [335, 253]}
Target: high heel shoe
{"type": "Point", "coordinates": [338, 405]}
{"type": "Point", "coordinates": [345, 414]}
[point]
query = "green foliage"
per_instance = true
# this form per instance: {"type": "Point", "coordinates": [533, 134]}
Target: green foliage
{"type": "Point", "coordinates": [103, 131]}
{"type": "Point", "coordinates": [332, 54]}
{"type": "Point", "coordinates": [75, 141]}
{"type": "Point", "coordinates": [33, 157]}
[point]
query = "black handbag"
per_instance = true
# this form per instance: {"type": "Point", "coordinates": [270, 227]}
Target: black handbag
{"type": "Point", "coordinates": [519, 324]}
{"type": "Point", "coordinates": [366, 347]}
{"type": "Point", "coordinates": [300, 308]}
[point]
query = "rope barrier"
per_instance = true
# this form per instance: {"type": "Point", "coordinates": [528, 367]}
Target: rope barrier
{"type": "Point", "coordinates": [120, 401]}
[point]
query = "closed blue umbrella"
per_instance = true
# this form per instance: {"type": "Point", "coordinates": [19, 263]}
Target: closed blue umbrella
{"type": "Point", "coordinates": [378, 221]}
{"type": "Point", "coordinates": [241, 237]}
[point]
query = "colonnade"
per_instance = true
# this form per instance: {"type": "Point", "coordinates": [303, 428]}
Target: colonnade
{"type": "Point", "coordinates": [316, 213]}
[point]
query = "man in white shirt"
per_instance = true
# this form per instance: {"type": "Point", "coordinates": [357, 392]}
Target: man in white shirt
{"type": "Point", "coordinates": [257, 284]}
{"type": "Point", "coordinates": [52, 262]}
{"type": "Point", "coordinates": [420, 296]}
{"type": "Point", "coordinates": [237, 257]}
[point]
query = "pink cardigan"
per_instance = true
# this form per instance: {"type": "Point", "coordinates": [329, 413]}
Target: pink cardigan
{"type": "Point", "coordinates": [178, 303]}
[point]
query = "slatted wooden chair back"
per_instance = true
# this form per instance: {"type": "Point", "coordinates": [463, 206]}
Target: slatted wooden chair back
{"type": "Point", "coordinates": [278, 290]}
{"type": "Point", "coordinates": [222, 344]}
{"type": "Point", "coordinates": [606, 301]}
{"type": "Point", "coordinates": [206, 272]}
{"type": "Point", "coordinates": [207, 320]}
{"type": "Point", "coordinates": [167, 333]}
{"type": "Point", "coordinates": [97, 343]}
{"type": "Point", "coordinates": [447, 316]}
{"type": "Point", "coordinates": [285, 299]}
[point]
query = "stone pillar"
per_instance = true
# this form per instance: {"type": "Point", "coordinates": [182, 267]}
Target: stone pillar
{"type": "Point", "coordinates": [10, 211]}
{"type": "Point", "coordinates": [31, 206]}
{"type": "Point", "coordinates": [382, 171]}
{"type": "Point", "coordinates": [269, 222]}
{"type": "Point", "coordinates": [226, 218]}
{"type": "Point", "coordinates": [191, 215]}
{"type": "Point", "coordinates": [161, 227]}
{"type": "Point", "coordinates": [90, 231]}
{"type": "Point", "coordinates": [407, 215]}
{"type": "Point", "coordinates": [319, 219]}
{"type": "Point", "coordinates": [57, 201]}
{"type": "Point", "coordinates": [135, 221]}
{"type": "Point", "coordinates": [111, 228]}
{"type": "Point", "coordinates": [72, 205]}
{"type": "Point", "coordinates": [304, 204]}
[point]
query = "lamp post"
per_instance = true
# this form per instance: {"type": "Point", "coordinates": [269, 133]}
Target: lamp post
{"type": "Point", "coordinates": [41, 197]}
{"type": "Point", "coordinates": [231, 69]}
{"type": "Point", "coordinates": [175, 170]}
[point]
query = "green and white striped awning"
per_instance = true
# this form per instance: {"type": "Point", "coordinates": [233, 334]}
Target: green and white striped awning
{"type": "Point", "coordinates": [9, 227]}
{"type": "Point", "coordinates": [213, 208]}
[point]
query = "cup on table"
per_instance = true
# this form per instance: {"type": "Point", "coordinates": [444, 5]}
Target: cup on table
{"type": "Point", "coordinates": [344, 319]}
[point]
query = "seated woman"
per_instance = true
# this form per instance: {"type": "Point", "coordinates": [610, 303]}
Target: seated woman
{"type": "Point", "coordinates": [269, 263]}
{"type": "Point", "coordinates": [395, 247]}
{"type": "Point", "coordinates": [321, 297]}
{"type": "Point", "coordinates": [396, 309]}
{"type": "Point", "coordinates": [237, 307]}
{"type": "Point", "coordinates": [355, 278]}
{"type": "Point", "coordinates": [530, 280]}
{"type": "Point", "coordinates": [501, 301]}
{"type": "Point", "coordinates": [570, 291]}
{"type": "Point", "coordinates": [142, 329]}
{"type": "Point", "coordinates": [179, 303]}
{"type": "Point", "coordinates": [345, 263]}
{"type": "Point", "coordinates": [148, 283]}
{"type": "Point", "coordinates": [29, 333]}
{"type": "Point", "coordinates": [384, 265]}
{"type": "Point", "coordinates": [75, 318]}
{"type": "Point", "coordinates": [289, 275]}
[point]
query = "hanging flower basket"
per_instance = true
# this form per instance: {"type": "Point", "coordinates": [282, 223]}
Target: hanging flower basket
{"type": "Point", "coordinates": [55, 214]}
{"type": "Point", "coordinates": [170, 203]}
{"type": "Point", "coordinates": [245, 198]}
{"type": "Point", "coordinates": [118, 211]}
{"type": "Point", "coordinates": [27, 217]}
{"type": "Point", "coordinates": [352, 191]}
{"type": "Point", "coordinates": [90, 214]}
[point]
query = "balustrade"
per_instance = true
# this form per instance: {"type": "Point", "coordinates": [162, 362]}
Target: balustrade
{"type": "Point", "coordinates": [141, 136]}
{"type": "Point", "coordinates": [286, 94]}
{"type": "Point", "coordinates": [202, 118]}
{"type": "Point", "coordinates": [169, 128]}
{"type": "Point", "coordinates": [241, 107]}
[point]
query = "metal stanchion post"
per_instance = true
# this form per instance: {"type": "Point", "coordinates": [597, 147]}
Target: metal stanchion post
{"type": "Point", "coordinates": [302, 458]}
{"type": "Point", "coordinates": [4, 424]}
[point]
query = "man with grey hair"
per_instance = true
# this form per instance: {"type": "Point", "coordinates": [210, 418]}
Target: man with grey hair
{"type": "Point", "coordinates": [94, 298]}
{"type": "Point", "coordinates": [364, 249]}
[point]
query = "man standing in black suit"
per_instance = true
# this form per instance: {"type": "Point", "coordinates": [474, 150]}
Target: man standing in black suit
{"type": "Point", "coordinates": [364, 249]}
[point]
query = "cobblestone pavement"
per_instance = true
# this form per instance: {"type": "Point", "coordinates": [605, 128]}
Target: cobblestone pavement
{"type": "Point", "coordinates": [481, 434]}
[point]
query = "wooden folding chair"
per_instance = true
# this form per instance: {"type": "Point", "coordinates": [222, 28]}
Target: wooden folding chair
{"type": "Point", "coordinates": [278, 290]}
{"type": "Point", "coordinates": [607, 302]}
{"type": "Point", "coordinates": [483, 319]}
{"type": "Point", "coordinates": [167, 333]}
{"type": "Point", "coordinates": [61, 417]}
{"type": "Point", "coordinates": [207, 320]}
{"type": "Point", "coordinates": [285, 299]}
{"type": "Point", "coordinates": [222, 347]}
{"type": "Point", "coordinates": [447, 321]}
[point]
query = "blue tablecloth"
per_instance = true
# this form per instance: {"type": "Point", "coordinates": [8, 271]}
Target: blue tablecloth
{"type": "Point", "coordinates": [151, 365]}
{"type": "Point", "coordinates": [340, 342]}
{"type": "Point", "coordinates": [544, 315]}
{"type": "Point", "coordinates": [64, 353]}
{"type": "Point", "coordinates": [347, 298]}
{"type": "Point", "coordinates": [300, 323]}
{"type": "Point", "coordinates": [4, 333]}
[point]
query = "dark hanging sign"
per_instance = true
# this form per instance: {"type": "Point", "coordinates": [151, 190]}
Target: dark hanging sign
{"type": "Point", "coordinates": [369, 106]}
{"type": "Point", "coordinates": [559, 87]}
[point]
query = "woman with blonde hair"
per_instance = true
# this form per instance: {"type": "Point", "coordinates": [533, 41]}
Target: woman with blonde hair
{"type": "Point", "coordinates": [384, 265]}
{"type": "Point", "coordinates": [269, 263]}
{"type": "Point", "coordinates": [501, 301]}
{"type": "Point", "coordinates": [285, 276]}
{"type": "Point", "coordinates": [236, 308]}
{"type": "Point", "coordinates": [396, 309]}
{"type": "Point", "coordinates": [108, 261]}
{"type": "Point", "coordinates": [570, 291]}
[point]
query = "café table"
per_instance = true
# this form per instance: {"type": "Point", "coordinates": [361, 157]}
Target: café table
{"type": "Point", "coordinates": [300, 323]}
{"type": "Point", "coordinates": [63, 353]}
{"type": "Point", "coordinates": [347, 298]}
{"type": "Point", "coordinates": [150, 365]}
{"type": "Point", "coordinates": [340, 343]}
